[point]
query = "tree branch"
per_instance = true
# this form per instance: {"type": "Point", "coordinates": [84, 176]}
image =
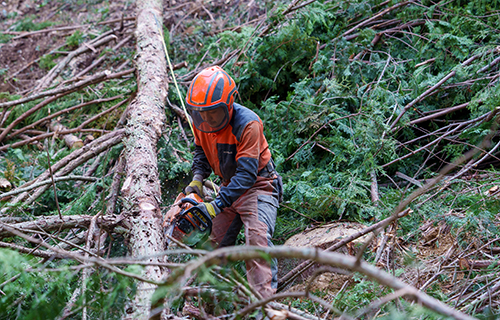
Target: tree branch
{"type": "Point", "coordinates": [234, 254]}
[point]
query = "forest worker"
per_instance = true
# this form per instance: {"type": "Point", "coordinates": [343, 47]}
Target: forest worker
{"type": "Point", "coordinates": [229, 140]}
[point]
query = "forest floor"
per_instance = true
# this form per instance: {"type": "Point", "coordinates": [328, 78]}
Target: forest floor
{"type": "Point", "coordinates": [21, 55]}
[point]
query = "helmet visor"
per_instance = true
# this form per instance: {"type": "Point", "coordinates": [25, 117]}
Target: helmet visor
{"type": "Point", "coordinates": [211, 119]}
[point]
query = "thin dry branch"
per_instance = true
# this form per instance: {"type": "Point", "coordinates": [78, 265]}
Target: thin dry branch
{"type": "Point", "coordinates": [291, 7]}
{"type": "Point", "coordinates": [42, 135]}
{"type": "Point", "coordinates": [298, 294]}
{"type": "Point", "coordinates": [97, 116]}
{"type": "Point", "coordinates": [439, 113]}
{"type": "Point", "coordinates": [103, 57]}
{"type": "Point", "coordinates": [474, 163]}
{"type": "Point", "coordinates": [234, 254]}
{"type": "Point", "coordinates": [54, 72]}
{"type": "Point", "coordinates": [69, 163]}
{"type": "Point", "coordinates": [41, 183]}
{"type": "Point", "coordinates": [34, 252]}
{"type": "Point", "coordinates": [72, 255]}
{"type": "Point", "coordinates": [425, 147]}
{"type": "Point", "coordinates": [56, 114]}
{"type": "Point", "coordinates": [24, 34]}
{"type": "Point", "coordinates": [51, 223]}
{"type": "Point", "coordinates": [375, 17]}
{"type": "Point", "coordinates": [92, 168]}
{"type": "Point", "coordinates": [81, 84]}
{"type": "Point", "coordinates": [96, 79]}
{"type": "Point", "coordinates": [114, 190]}
{"type": "Point", "coordinates": [490, 65]}
{"type": "Point", "coordinates": [494, 290]}
{"type": "Point", "coordinates": [458, 129]}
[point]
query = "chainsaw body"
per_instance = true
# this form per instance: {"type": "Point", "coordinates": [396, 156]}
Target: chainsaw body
{"type": "Point", "coordinates": [185, 222]}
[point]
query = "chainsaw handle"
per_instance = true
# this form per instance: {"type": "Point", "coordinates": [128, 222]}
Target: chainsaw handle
{"type": "Point", "coordinates": [191, 201]}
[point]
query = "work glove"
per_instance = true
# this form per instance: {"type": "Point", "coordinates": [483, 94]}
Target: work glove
{"type": "Point", "coordinates": [196, 186]}
{"type": "Point", "coordinates": [210, 208]}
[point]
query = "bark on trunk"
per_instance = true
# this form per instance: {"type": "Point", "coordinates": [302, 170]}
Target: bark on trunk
{"type": "Point", "coordinates": [141, 188]}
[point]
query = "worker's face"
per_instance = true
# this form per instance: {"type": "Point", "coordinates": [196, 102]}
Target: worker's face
{"type": "Point", "coordinates": [213, 117]}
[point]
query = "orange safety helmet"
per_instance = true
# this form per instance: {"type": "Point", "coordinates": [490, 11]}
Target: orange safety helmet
{"type": "Point", "coordinates": [210, 99]}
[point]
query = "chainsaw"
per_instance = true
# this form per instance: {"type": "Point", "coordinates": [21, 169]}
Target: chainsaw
{"type": "Point", "coordinates": [185, 222]}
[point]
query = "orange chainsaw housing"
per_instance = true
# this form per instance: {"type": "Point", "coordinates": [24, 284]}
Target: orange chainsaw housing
{"type": "Point", "coordinates": [185, 222]}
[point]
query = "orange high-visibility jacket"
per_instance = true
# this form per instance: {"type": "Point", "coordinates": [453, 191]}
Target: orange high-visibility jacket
{"type": "Point", "coordinates": [236, 153]}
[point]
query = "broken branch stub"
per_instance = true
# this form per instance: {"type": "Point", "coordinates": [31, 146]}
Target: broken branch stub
{"type": "Point", "coordinates": [70, 140]}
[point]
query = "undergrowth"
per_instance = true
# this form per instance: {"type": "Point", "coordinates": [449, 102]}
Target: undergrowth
{"type": "Point", "coordinates": [328, 101]}
{"type": "Point", "coordinates": [328, 113]}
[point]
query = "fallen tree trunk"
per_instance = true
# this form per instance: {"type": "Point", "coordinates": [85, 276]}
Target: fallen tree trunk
{"type": "Point", "coordinates": [141, 188]}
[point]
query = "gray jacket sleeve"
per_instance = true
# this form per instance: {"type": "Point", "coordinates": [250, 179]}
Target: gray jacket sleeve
{"type": "Point", "coordinates": [200, 165]}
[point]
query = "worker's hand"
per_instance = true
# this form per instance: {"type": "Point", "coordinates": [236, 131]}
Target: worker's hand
{"type": "Point", "coordinates": [196, 186]}
{"type": "Point", "coordinates": [209, 208]}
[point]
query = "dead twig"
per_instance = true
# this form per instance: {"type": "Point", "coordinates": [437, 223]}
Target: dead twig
{"type": "Point", "coordinates": [425, 147]}
{"type": "Point", "coordinates": [379, 303]}
{"type": "Point", "coordinates": [57, 114]}
{"type": "Point", "coordinates": [65, 90]}
{"type": "Point", "coordinates": [495, 288]}
{"type": "Point", "coordinates": [103, 57]}
{"type": "Point", "coordinates": [72, 161]}
{"type": "Point", "coordinates": [42, 136]}
{"type": "Point", "coordinates": [97, 116]}
{"type": "Point", "coordinates": [52, 180]}
{"type": "Point", "coordinates": [49, 223]}
{"type": "Point", "coordinates": [44, 182]}
{"type": "Point", "coordinates": [114, 190]}
{"type": "Point", "coordinates": [375, 17]}
{"type": "Point", "coordinates": [23, 34]}
{"type": "Point", "coordinates": [54, 72]}
{"type": "Point", "coordinates": [440, 113]}
{"type": "Point", "coordinates": [34, 252]}
{"type": "Point", "coordinates": [74, 256]}
{"type": "Point", "coordinates": [96, 79]}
